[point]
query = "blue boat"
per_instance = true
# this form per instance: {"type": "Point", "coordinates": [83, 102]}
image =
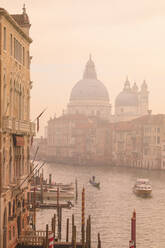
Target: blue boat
{"type": "Point", "coordinates": [94, 183]}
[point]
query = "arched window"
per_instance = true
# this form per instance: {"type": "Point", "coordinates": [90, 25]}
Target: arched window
{"type": "Point", "coordinates": [13, 207]}
{"type": "Point", "coordinates": [9, 209]}
{"type": "Point", "coordinates": [28, 160]}
{"type": "Point", "coordinates": [23, 104]}
{"type": "Point", "coordinates": [3, 173]}
{"type": "Point", "coordinates": [11, 102]}
{"type": "Point", "coordinates": [14, 99]}
{"type": "Point", "coordinates": [20, 102]}
{"type": "Point", "coordinates": [23, 161]}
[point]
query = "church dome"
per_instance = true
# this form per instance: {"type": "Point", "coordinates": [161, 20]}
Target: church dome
{"type": "Point", "coordinates": [89, 88]}
{"type": "Point", "coordinates": [127, 97]}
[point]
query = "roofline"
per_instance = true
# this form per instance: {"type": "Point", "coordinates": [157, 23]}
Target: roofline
{"type": "Point", "coordinates": [4, 13]}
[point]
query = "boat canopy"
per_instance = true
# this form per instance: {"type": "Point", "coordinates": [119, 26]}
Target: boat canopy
{"type": "Point", "coordinates": [142, 180]}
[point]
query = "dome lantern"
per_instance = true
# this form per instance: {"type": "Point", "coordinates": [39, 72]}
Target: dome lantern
{"type": "Point", "coordinates": [90, 72]}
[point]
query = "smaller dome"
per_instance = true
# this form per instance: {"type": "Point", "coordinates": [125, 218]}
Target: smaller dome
{"type": "Point", "coordinates": [127, 97]}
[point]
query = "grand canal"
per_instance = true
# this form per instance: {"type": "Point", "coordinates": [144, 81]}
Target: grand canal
{"type": "Point", "coordinates": [111, 207]}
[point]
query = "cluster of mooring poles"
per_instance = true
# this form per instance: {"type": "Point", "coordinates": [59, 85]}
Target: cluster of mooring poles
{"type": "Point", "coordinates": [53, 240]}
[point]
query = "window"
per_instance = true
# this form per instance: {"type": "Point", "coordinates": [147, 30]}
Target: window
{"type": "Point", "coordinates": [4, 94]}
{"type": "Point", "coordinates": [18, 51]}
{"type": "Point", "coordinates": [4, 38]}
{"type": "Point", "coordinates": [9, 209]}
{"type": "Point", "coordinates": [11, 103]}
{"type": "Point", "coordinates": [10, 234]}
{"type": "Point", "coordinates": [23, 56]}
{"type": "Point", "coordinates": [11, 44]}
{"type": "Point", "coordinates": [28, 60]}
{"type": "Point", "coordinates": [13, 207]}
{"type": "Point", "coordinates": [13, 231]}
{"type": "Point", "coordinates": [22, 223]}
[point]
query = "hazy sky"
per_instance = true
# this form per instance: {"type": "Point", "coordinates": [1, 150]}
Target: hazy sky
{"type": "Point", "coordinates": [125, 37]}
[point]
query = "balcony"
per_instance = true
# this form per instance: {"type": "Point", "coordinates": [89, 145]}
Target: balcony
{"type": "Point", "coordinates": [11, 218]}
{"type": "Point", "coordinates": [18, 126]}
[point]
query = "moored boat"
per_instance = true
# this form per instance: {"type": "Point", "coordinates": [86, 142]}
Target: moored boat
{"type": "Point", "coordinates": [142, 187]}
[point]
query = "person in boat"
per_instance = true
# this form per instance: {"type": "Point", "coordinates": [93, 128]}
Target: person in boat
{"type": "Point", "coordinates": [93, 178]}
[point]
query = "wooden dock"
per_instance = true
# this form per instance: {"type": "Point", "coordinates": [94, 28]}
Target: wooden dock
{"type": "Point", "coordinates": [53, 238]}
{"type": "Point", "coordinates": [52, 205]}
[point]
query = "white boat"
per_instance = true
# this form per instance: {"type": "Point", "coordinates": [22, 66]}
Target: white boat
{"type": "Point", "coordinates": [142, 187]}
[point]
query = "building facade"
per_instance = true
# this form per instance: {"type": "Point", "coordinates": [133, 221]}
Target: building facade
{"type": "Point", "coordinates": [140, 142]}
{"type": "Point", "coordinates": [16, 129]}
{"type": "Point", "coordinates": [77, 138]}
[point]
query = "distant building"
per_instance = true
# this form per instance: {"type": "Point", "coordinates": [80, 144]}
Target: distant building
{"type": "Point", "coordinates": [16, 129]}
{"type": "Point", "coordinates": [131, 102]}
{"type": "Point", "coordinates": [77, 138]}
{"type": "Point", "coordinates": [140, 143]}
{"type": "Point", "coordinates": [90, 97]}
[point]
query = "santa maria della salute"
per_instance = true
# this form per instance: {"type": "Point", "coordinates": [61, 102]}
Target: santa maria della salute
{"type": "Point", "coordinates": [90, 97]}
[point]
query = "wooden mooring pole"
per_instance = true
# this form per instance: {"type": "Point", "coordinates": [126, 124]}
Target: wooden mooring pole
{"type": "Point", "coordinates": [87, 234]}
{"type": "Point", "coordinates": [133, 228]}
{"type": "Point", "coordinates": [74, 237]}
{"type": "Point", "coordinates": [47, 230]}
{"type": "Point", "coordinates": [72, 227]}
{"type": "Point", "coordinates": [76, 189]}
{"type": "Point", "coordinates": [67, 230]}
{"type": "Point", "coordinates": [99, 241]}
{"type": "Point", "coordinates": [83, 219]}
{"type": "Point", "coordinates": [34, 209]}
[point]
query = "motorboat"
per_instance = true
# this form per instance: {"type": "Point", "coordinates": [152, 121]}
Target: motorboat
{"type": "Point", "coordinates": [94, 183]}
{"type": "Point", "coordinates": [142, 187]}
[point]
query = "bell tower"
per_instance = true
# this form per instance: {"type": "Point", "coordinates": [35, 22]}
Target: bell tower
{"type": "Point", "coordinates": [143, 99]}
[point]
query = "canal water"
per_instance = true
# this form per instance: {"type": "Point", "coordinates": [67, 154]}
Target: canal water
{"type": "Point", "coordinates": [112, 205]}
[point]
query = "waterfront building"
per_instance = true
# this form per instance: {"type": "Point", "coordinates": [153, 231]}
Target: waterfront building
{"type": "Point", "coordinates": [140, 142]}
{"type": "Point", "coordinates": [77, 138]}
{"type": "Point", "coordinates": [16, 129]}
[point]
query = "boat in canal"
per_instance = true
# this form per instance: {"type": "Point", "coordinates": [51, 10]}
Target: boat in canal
{"type": "Point", "coordinates": [94, 183]}
{"type": "Point", "coordinates": [142, 187]}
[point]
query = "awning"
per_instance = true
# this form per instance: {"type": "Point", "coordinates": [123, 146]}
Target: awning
{"type": "Point", "coordinates": [18, 140]}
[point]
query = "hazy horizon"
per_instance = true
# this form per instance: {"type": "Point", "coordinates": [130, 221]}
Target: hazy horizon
{"type": "Point", "coordinates": [124, 38]}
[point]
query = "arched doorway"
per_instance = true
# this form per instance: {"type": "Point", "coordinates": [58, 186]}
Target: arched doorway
{"type": "Point", "coordinates": [5, 229]}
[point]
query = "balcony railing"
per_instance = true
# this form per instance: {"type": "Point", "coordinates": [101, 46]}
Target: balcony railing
{"type": "Point", "coordinates": [18, 126]}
